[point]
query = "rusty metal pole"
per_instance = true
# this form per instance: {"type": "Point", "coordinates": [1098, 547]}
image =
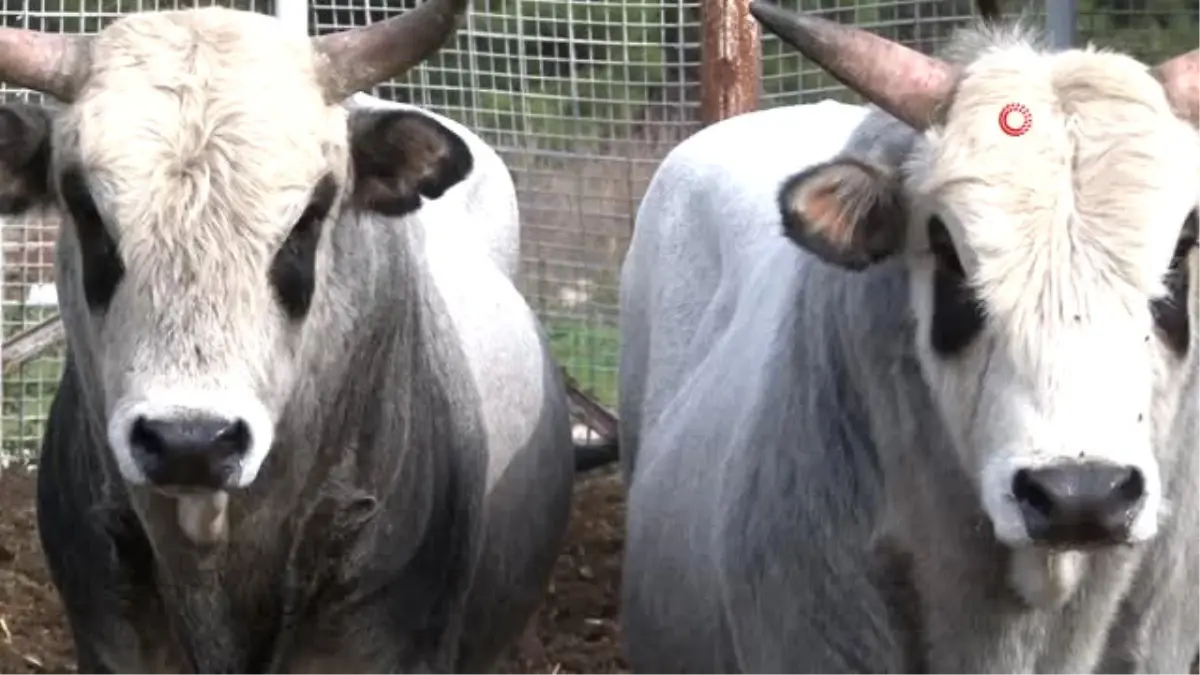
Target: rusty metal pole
{"type": "Point", "coordinates": [729, 60]}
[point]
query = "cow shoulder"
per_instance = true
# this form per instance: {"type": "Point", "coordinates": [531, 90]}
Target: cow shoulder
{"type": "Point", "coordinates": [24, 157]}
{"type": "Point", "coordinates": [400, 156]}
{"type": "Point", "coordinates": [848, 211]}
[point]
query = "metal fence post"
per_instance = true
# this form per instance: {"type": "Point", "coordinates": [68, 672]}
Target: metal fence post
{"type": "Point", "coordinates": [293, 14]}
{"type": "Point", "coordinates": [1061, 17]}
{"type": "Point", "coordinates": [729, 60]}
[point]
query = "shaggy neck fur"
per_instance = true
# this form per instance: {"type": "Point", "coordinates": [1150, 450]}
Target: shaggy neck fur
{"type": "Point", "coordinates": [1052, 263]}
{"type": "Point", "coordinates": [341, 448]}
{"type": "Point", "coordinates": [934, 560]}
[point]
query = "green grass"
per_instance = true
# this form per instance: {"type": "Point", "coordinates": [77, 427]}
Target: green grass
{"type": "Point", "coordinates": [27, 396]}
{"type": "Point", "coordinates": [588, 351]}
{"type": "Point", "coordinates": [29, 390]}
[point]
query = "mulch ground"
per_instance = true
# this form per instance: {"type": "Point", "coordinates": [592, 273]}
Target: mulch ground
{"type": "Point", "coordinates": [575, 631]}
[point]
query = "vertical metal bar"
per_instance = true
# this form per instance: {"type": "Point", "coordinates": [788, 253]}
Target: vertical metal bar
{"type": "Point", "coordinates": [1061, 17]}
{"type": "Point", "coordinates": [293, 14]}
{"type": "Point", "coordinates": [729, 60]}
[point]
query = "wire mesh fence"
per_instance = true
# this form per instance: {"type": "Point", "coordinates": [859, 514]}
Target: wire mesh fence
{"type": "Point", "coordinates": [1150, 30]}
{"type": "Point", "coordinates": [582, 99]}
{"type": "Point", "coordinates": [925, 25]}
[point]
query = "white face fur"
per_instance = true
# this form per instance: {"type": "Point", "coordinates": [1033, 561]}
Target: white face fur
{"type": "Point", "coordinates": [1066, 234]}
{"type": "Point", "coordinates": [200, 138]}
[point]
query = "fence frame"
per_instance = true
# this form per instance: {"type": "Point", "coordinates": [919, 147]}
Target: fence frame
{"type": "Point", "coordinates": [1062, 17]}
{"type": "Point", "coordinates": [730, 60]}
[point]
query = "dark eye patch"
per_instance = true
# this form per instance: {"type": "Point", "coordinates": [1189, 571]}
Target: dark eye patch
{"type": "Point", "coordinates": [293, 271]}
{"type": "Point", "coordinates": [957, 315]}
{"type": "Point", "coordinates": [1170, 312]}
{"type": "Point", "coordinates": [102, 268]}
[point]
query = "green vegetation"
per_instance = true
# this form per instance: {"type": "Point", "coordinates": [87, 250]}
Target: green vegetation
{"type": "Point", "coordinates": [589, 354]}
{"type": "Point", "coordinates": [554, 71]}
{"type": "Point", "coordinates": [1150, 30]}
{"type": "Point", "coordinates": [565, 69]}
{"type": "Point", "coordinates": [27, 391]}
{"type": "Point", "coordinates": [27, 396]}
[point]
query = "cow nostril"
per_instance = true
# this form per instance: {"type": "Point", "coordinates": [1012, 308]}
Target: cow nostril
{"type": "Point", "coordinates": [1026, 490]}
{"type": "Point", "coordinates": [145, 437]}
{"type": "Point", "coordinates": [1133, 487]}
{"type": "Point", "coordinates": [188, 436]}
{"type": "Point", "coordinates": [1079, 502]}
{"type": "Point", "coordinates": [194, 449]}
{"type": "Point", "coordinates": [236, 436]}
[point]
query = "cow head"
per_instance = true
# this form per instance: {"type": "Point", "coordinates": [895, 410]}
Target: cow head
{"type": "Point", "coordinates": [1049, 269]}
{"type": "Point", "coordinates": [199, 163]}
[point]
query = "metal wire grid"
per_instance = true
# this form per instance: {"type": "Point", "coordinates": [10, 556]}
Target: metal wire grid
{"type": "Point", "coordinates": [582, 99]}
{"type": "Point", "coordinates": [1150, 30]}
{"type": "Point", "coordinates": [925, 25]}
{"type": "Point", "coordinates": [27, 296]}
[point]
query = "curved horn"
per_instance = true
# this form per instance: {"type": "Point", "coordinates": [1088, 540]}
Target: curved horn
{"type": "Point", "coordinates": [363, 57]}
{"type": "Point", "coordinates": [904, 82]}
{"type": "Point", "coordinates": [1180, 77]}
{"type": "Point", "coordinates": [51, 63]}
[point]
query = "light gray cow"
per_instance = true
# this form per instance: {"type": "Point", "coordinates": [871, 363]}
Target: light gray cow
{"type": "Point", "coordinates": [901, 392]}
{"type": "Point", "coordinates": [307, 423]}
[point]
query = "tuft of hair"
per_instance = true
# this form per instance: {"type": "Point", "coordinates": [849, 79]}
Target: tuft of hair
{"type": "Point", "coordinates": [968, 44]}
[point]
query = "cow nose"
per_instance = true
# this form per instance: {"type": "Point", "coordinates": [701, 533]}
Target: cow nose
{"type": "Point", "coordinates": [199, 452]}
{"type": "Point", "coordinates": [1079, 504]}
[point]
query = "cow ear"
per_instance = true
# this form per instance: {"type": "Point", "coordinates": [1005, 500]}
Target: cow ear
{"type": "Point", "coordinates": [400, 156]}
{"type": "Point", "coordinates": [846, 212]}
{"type": "Point", "coordinates": [24, 157]}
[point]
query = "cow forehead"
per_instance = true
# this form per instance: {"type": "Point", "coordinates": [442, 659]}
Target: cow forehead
{"type": "Point", "coordinates": [1102, 148]}
{"type": "Point", "coordinates": [205, 119]}
{"type": "Point", "coordinates": [1085, 206]}
{"type": "Point", "coordinates": [170, 86]}
{"type": "Point", "coordinates": [212, 45]}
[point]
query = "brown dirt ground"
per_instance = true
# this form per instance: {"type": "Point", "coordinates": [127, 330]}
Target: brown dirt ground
{"type": "Point", "coordinates": [575, 631]}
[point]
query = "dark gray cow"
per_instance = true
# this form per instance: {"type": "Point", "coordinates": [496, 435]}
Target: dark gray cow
{"type": "Point", "coordinates": [901, 392]}
{"type": "Point", "coordinates": [307, 424]}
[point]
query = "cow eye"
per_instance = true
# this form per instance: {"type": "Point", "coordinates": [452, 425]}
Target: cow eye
{"type": "Point", "coordinates": [1170, 311]}
{"type": "Point", "coordinates": [101, 264]}
{"type": "Point", "coordinates": [942, 247]}
{"type": "Point", "coordinates": [1187, 239]}
{"type": "Point", "coordinates": [293, 273]}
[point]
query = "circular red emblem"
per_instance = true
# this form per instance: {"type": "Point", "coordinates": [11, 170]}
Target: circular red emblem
{"type": "Point", "coordinates": [1015, 119]}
